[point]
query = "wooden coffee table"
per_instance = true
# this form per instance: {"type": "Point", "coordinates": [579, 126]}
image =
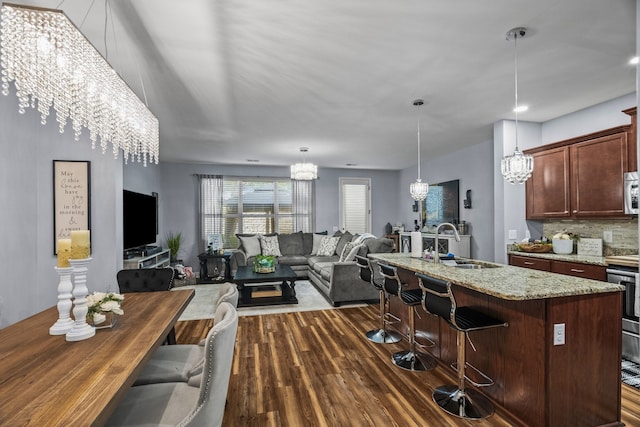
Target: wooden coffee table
{"type": "Point", "coordinates": [266, 288]}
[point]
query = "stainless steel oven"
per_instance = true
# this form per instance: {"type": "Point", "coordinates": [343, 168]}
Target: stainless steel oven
{"type": "Point", "coordinates": [628, 277]}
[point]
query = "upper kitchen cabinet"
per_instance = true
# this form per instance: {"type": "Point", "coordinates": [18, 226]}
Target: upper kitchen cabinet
{"type": "Point", "coordinates": [582, 177]}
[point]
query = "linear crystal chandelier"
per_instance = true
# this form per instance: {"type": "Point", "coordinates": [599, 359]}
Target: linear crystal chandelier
{"type": "Point", "coordinates": [304, 171]}
{"type": "Point", "coordinates": [53, 65]}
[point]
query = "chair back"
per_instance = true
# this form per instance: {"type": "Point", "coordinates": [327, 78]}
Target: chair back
{"type": "Point", "coordinates": [437, 297]}
{"type": "Point", "coordinates": [229, 293]}
{"type": "Point", "coordinates": [392, 284]}
{"type": "Point", "coordinates": [218, 359]}
{"type": "Point", "coordinates": [145, 279]}
{"type": "Point", "coordinates": [365, 269]}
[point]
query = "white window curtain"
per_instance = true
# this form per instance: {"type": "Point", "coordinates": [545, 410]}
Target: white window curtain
{"type": "Point", "coordinates": [303, 203]}
{"type": "Point", "coordinates": [210, 206]}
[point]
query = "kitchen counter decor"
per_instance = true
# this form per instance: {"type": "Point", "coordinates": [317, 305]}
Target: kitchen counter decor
{"type": "Point", "coordinates": [264, 264]}
{"type": "Point", "coordinates": [563, 242]}
{"type": "Point", "coordinates": [534, 247]}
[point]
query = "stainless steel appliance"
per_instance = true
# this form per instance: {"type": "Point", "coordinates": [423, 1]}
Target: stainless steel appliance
{"type": "Point", "coordinates": [628, 277]}
{"type": "Point", "coordinates": [631, 193]}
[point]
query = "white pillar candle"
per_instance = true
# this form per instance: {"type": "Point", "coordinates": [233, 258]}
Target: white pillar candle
{"type": "Point", "coordinates": [64, 252]}
{"type": "Point", "coordinates": [80, 244]}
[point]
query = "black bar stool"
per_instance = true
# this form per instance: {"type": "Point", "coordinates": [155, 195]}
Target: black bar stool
{"type": "Point", "coordinates": [411, 359]}
{"type": "Point", "coordinates": [382, 335]}
{"type": "Point", "coordinates": [456, 399]}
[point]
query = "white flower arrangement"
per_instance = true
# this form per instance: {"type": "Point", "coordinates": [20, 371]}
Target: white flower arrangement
{"type": "Point", "coordinates": [103, 302]}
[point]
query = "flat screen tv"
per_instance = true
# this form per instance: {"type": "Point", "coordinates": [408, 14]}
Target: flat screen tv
{"type": "Point", "coordinates": [442, 203]}
{"type": "Point", "coordinates": [139, 219]}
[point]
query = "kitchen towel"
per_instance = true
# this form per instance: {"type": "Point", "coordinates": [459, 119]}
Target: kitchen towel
{"type": "Point", "coordinates": [416, 244]}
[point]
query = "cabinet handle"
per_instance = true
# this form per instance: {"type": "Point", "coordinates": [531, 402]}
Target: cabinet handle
{"type": "Point", "coordinates": [575, 270]}
{"type": "Point", "coordinates": [575, 211]}
{"type": "Point", "coordinates": [529, 263]}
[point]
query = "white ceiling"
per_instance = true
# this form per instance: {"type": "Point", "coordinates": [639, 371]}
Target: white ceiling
{"type": "Point", "coordinates": [246, 79]}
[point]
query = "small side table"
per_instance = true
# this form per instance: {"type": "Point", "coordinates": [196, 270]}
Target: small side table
{"type": "Point", "coordinates": [204, 269]}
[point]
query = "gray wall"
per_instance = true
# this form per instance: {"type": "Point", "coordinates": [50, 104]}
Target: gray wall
{"type": "Point", "coordinates": [30, 282]}
{"type": "Point", "coordinates": [178, 197]}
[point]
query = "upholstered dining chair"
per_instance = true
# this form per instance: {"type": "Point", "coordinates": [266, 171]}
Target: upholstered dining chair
{"type": "Point", "coordinates": [147, 280]}
{"type": "Point", "coordinates": [179, 363]}
{"type": "Point", "coordinates": [199, 402]}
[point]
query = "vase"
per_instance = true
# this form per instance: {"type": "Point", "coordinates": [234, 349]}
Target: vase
{"type": "Point", "coordinates": [109, 321]}
{"type": "Point", "coordinates": [562, 246]}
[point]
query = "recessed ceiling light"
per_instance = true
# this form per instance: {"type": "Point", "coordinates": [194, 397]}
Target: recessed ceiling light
{"type": "Point", "coordinates": [351, 164]}
{"type": "Point", "coordinates": [253, 160]}
{"type": "Point", "coordinates": [521, 109]}
{"type": "Point", "coordinates": [634, 60]}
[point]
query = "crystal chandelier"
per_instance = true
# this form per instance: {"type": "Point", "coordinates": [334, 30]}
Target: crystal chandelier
{"type": "Point", "coordinates": [517, 167]}
{"type": "Point", "coordinates": [53, 65]}
{"type": "Point", "coordinates": [419, 189]}
{"type": "Point", "coordinates": [304, 171]}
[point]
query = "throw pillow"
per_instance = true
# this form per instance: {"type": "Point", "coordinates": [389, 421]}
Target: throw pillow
{"type": "Point", "coordinates": [344, 239]}
{"type": "Point", "coordinates": [270, 245]}
{"type": "Point", "coordinates": [328, 246]}
{"type": "Point", "coordinates": [317, 239]}
{"type": "Point", "coordinates": [290, 243]}
{"type": "Point", "coordinates": [250, 245]}
{"type": "Point", "coordinates": [351, 256]}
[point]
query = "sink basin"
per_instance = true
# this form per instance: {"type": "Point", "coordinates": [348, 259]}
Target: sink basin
{"type": "Point", "coordinates": [470, 264]}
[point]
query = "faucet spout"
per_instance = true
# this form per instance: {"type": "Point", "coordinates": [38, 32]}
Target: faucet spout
{"type": "Point", "coordinates": [436, 258]}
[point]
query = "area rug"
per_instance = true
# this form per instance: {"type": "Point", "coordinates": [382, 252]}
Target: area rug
{"type": "Point", "coordinates": [202, 304]}
{"type": "Point", "coordinates": [631, 373]}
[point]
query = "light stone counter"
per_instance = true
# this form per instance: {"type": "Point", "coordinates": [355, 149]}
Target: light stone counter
{"type": "Point", "coordinates": [583, 259]}
{"type": "Point", "coordinates": [505, 282]}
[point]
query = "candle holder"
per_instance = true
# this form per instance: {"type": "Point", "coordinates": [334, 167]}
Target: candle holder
{"type": "Point", "coordinates": [65, 286]}
{"type": "Point", "coordinates": [80, 330]}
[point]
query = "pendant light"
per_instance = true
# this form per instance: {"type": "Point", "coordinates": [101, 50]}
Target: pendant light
{"type": "Point", "coordinates": [517, 167]}
{"type": "Point", "coordinates": [304, 171]}
{"type": "Point", "coordinates": [419, 189]}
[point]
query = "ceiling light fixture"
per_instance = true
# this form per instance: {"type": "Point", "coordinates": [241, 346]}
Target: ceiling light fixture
{"type": "Point", "coordinates": [517, 167]}
{"type": "Point", "coordinates": [419, 189]}
{"type": "Point", "coordinates": [53, 65]}
{"type": "Point", "coordinates": [304, 171]}
{"type": "Point", "coordinates": [634, 61]}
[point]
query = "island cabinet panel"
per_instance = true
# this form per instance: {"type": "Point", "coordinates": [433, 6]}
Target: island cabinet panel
{"type": "Point", "coordinates": [536, 383]}
{"type": "Point", "coordinates": [597, 176]}
{"type": "Point", "coordinates": [548, 189]}
{"type": "Point", "coordinates": [593, 339]}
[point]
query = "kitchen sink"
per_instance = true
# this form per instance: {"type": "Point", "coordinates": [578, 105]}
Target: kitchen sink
{"type": "Point", "coordinates": [470, 264]}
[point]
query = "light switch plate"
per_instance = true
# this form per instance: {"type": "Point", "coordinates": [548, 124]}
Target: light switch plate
{"type": "Point", "coordinates": [558, 334]}
{"type": "Point", "coordinates": [513, 234]}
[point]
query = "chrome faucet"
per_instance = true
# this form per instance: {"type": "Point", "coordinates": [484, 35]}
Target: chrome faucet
{"type": "Point", "coordinates": [436, 258]}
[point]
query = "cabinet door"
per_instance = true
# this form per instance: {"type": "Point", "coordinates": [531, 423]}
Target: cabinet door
{"type": "Point", "coordinates": [586, 271]}
{"type": "Point", "coordinates": [548, 189]}
{"type": "Point", "coordinates": [530, 262]}
{"type": "Point", "coordinates": [597, 170]}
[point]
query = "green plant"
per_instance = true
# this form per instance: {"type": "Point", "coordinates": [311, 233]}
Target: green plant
{"type": "Point", "coordinates": [173, 243]}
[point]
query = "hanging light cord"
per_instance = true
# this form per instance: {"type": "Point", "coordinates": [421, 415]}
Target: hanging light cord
{"type": "Point", "coordinates": [515, 44]}
{"type": "Point", "coordinates": [418, 141]}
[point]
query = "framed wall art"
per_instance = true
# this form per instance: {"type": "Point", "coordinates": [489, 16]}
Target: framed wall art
{"type": "Point", "coordinates": [71, 198]}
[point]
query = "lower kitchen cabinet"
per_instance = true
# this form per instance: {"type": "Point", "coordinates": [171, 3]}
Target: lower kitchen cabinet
{"type": "Point", "coordinates": [578, 269]}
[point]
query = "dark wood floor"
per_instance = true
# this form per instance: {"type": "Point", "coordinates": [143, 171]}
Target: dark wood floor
{"type": "Point", "coordinates": [317, 369]}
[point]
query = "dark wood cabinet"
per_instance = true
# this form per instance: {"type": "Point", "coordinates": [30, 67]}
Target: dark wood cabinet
{"type": "Point", "coordinates": [581, 177]}
{"type": "Point", "coordinates": [578, 269]}
{"type": "Point", "coordinates": [632, 143]}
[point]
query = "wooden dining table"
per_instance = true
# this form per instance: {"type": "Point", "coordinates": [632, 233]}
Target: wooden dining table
{"type": "Point", "coordinates": [45, 380]}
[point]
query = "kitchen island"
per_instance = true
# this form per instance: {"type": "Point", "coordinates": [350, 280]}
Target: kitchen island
{"type": "Point", "coordinates": [537, 383]}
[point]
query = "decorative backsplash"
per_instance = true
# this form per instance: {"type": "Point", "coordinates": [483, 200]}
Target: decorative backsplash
{"type": "Point", "coordinates": [624, 231]}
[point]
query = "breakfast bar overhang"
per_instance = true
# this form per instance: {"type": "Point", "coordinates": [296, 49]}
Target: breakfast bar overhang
{"type": "Point", "coordinates": [537, 383]}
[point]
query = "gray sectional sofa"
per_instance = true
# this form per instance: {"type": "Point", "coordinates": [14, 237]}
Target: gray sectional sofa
{"type": "Point", "coordinates": [335, 275]}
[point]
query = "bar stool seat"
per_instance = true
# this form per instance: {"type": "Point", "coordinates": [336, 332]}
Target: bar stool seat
{"type": "Point", "coordinates": [438, 299]}
{"type": "Point", "coordinates": [381, 335]}
{"type": "Point", "coordinates": [411, 360]}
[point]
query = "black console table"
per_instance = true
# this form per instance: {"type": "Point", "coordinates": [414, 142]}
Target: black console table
{"type": "Point", "coordinates": [204, 269]}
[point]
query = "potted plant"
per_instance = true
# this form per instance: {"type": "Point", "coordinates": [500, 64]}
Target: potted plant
{"type": "Point", "coordinates": [563, 242]}
{"type": "Point", "coordinates": [173, 243]}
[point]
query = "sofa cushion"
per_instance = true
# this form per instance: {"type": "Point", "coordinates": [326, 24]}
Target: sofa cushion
{"type": "Point", "coordinates": [328, 246]}
{"type": "Point", "coordinates": [250, 245]}
{"type": "Point", "coordinates": [308, 240]}
{"type": "Point", "coordinates": [344, 239]}
{"type": "Point", "coordinates": [291, 244]}
{"type": "Point", "coordinates": [292, 260]}
{"type": "Point", "coordinates": [381, 245]}
{"type": "Point", "coordinates": [315, 262]}
{"type": "Point", "coordinates": [270, 246]}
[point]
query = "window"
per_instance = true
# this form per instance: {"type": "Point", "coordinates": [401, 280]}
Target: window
{"type": "Point", "coordinates": [233, 205]}
{"type": "Point", "coordinates": [355, 205]}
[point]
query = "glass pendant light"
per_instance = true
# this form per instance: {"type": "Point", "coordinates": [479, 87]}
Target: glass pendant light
{"type": "Point", "coordinates": [418, 188]}
{"type": "Point", "coordinates": [304, 171]}
{"type": "Point", "coordinates": [517, 167]}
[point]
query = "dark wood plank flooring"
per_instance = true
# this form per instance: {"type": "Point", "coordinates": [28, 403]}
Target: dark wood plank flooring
{"type": "Point", "coordinates": [317, 369]}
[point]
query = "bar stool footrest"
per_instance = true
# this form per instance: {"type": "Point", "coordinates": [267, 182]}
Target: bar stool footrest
{"type": "Point", "coordinates": [488, 381]}
{"type": "Point", "coordinates": [430, 343]}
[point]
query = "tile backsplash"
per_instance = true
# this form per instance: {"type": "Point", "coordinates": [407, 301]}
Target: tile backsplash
{"type": "Point", "coordinates": [624, 232]}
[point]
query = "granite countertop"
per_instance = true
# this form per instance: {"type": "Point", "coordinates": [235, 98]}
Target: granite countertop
{"type": "Point", "coordinates": [505, 282]}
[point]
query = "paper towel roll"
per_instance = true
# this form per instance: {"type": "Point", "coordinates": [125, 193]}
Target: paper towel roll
{"type": "Point", "coordinates": [416, 244]}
